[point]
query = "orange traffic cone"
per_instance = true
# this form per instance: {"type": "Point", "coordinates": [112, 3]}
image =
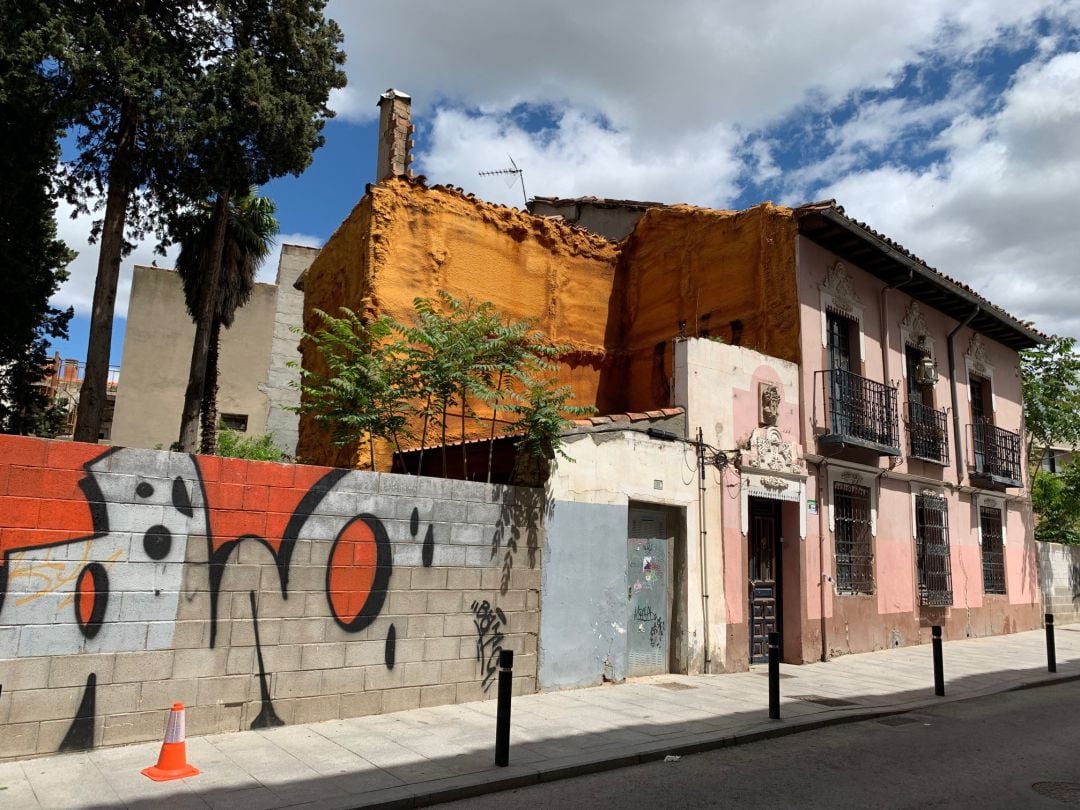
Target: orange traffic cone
{"type": "Point", "coordinates": [172, 761]}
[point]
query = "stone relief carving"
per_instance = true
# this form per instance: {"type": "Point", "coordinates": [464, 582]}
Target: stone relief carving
{"type": "Point", "coordinates": [772, 482]}
{"type": "Point", "coordinates": [838, 284]}
{"type": "Point", "coordinates": [769, 399]}
{"type": "Point", "coordinates": [772, 452]}
{"type": "Point", "coordinates": [914, 323]}
{"type": "Point", "coordinates": [977, 354]}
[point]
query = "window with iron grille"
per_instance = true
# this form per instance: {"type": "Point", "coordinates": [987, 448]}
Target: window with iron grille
{"type": "Point", "coordinates": [854, 543]}
{"type": "Point", "coordinates": [993, 549]}
{"type": "Point", "coordinates": [932, 550]}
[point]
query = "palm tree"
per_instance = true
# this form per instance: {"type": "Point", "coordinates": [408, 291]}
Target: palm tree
{"type": "Point", "coordinates": [249, 231]}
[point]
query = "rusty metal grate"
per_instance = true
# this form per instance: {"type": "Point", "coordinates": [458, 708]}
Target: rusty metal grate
{"type": "Point", "coordinates": [674, 685]}
{"type": "Point", "coordinates": [824, 701]}
{"type": "Point", "coordinates": [1068, 792]}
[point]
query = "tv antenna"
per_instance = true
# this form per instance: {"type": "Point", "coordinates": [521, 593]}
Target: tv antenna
{"type": "Point", "coordinates": [510, 174]}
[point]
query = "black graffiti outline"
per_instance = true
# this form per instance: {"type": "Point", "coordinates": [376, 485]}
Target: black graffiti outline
{"type": "Point", "coordinates": [384, 564]}
{"type": "Point", "coordinates": [487, 618]}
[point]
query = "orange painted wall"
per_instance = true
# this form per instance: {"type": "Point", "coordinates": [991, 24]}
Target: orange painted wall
{"type": "Point", "coordinates": [405, 240]}
{"type": "Point", "coordinates": [617, 306]}
{"type": "Point", "coordinates": [706, 269]}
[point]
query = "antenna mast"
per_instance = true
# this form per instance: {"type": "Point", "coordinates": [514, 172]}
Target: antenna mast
{"type": "Point", "coordinates": [519, 173]}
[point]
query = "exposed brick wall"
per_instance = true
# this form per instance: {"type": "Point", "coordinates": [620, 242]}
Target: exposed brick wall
{"type": "Point", "coordinates": [255, 593]}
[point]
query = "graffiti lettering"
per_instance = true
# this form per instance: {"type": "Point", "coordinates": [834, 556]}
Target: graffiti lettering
{"type": "Point", "coordinates": [489, 622]}
{"type": "Point", "coordinates": [656, 635]}
{"type": "Point", "coordinates": [644, 613]}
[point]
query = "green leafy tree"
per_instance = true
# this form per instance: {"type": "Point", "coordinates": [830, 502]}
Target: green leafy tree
{"type": "Point", "coordinates": [365, 391]}
{"type": "Point", "coordinates": [273, 65]}
{"type": "Point", "coordinates": [1056, 501]}
{"type": "Point", "coordinates": [129, 72]}
{"type": "Point", "coordinates": [34, 259]}
{"type": "Point", "coordinates": [250, 228]}
{"type": "Point", "coordinates": [382, 376]}
{"type": "Point", "coordinates": [1051, 384]}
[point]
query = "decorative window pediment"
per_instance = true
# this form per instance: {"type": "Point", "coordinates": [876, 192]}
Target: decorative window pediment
{"type": "Point", "coordinates": [838, 295]}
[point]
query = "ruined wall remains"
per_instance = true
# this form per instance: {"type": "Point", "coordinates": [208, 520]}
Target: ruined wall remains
{"type": "Point", "coordinates": [703, 273]}
{"type": "Point", "coordinates": [405, 240]}
{"type": "Point", "coordinates": [1059, 581]}
{"type": "Point", "coordinates": [257, 594]}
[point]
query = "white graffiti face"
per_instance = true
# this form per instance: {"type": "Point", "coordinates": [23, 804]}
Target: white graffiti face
{"type": "Point", "coordinates": [119, 589]}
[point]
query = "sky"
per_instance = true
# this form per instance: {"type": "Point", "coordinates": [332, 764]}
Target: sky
{"type": "Point", "coordinates": [953, 128]}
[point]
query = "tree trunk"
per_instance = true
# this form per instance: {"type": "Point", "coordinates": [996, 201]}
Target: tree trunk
{"type": "Point", "coordinates": [445, 474]}
{"type": "Point", "coordinates": [494, 412]}
{"type": "Point", "coordinates": [94, 394]}
{"type": "Point", "coordinates": [423, 437]}
{"type": "Point", "coordinates": [189, 420]}
{"type": "Point", "coordinates": [208, 417]}
{"type": "Point", "coordinates": [464, 454]}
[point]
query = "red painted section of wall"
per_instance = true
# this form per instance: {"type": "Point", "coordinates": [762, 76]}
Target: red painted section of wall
{"type": "Point", "coordinates": [40, 500]}
{"type": "Point", "coordinates": [41, 503]}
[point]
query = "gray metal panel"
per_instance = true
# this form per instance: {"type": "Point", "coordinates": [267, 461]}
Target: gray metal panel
{"type": "Point", "coordinates": [583, 596]}
{"type": "Point", "coordinates": [648, 577]}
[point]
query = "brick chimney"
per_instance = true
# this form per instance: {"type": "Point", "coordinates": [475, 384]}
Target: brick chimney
{"type": "Point", "coordinates": [395, 127]}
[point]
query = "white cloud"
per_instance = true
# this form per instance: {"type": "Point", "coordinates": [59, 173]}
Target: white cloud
{"type": "Point", "coordinates": [78, 290]}
{"type": "Point", "coordinates": [999, 213]}
{"type": "Point", "coordinates": [579, 156]}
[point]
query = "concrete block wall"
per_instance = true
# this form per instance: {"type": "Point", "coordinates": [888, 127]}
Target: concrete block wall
{"type": "Point", "coordinates": [1059, 581]}
{"type": "Point", "coordinates": [255, 593]}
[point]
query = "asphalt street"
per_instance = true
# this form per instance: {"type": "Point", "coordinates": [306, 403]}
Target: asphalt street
{"type": "Point", "coordinates": [1012, 750]}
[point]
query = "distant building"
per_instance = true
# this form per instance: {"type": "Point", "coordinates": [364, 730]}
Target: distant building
{"type": "Point", "coordinates": [253, 386]}
{"type": "Point", "coordinates": [64, 383]}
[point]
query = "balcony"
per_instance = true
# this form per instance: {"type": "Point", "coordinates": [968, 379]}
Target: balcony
{"type": "Point", "coordinates": [996, 454]}
{"type": "Point", "coordinates": [859, 413]}
{"type": "Point", "coordinates": [928, 433]}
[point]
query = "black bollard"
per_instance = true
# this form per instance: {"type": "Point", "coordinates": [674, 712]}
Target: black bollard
{"type": "Point", "coordinates": [1051, 653]}
{"type": "Point", "coordinates": [774, 676]}
{"type": "Point", "coordinates": [502, 719]}
{"type": "Point", "coordinates": [939, 666]}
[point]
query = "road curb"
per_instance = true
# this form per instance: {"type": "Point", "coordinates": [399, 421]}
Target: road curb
{"type": "Point", "coordinates": [485, 782]}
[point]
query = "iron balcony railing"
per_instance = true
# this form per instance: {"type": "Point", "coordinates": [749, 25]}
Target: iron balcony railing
{"type": "Point", "coordinates": [860, 409]}
{"type": "Point", "coordinates": [996, 453]}
{"type": "Point", "coordinates": [928, 432]}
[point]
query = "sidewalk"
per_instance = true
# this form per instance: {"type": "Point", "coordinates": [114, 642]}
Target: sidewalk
{"type": "Point", "coordinates": [419, 757]}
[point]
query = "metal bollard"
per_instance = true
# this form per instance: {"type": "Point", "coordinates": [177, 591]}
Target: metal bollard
{"type": "Point", "coordinates": [1051, 652]}
{"type": "Point", "coordinates": [774, 676]}
{"type": "Point", "coordinates": [939, 666]}
{"type": "Point", "coordinates": [502, 719]}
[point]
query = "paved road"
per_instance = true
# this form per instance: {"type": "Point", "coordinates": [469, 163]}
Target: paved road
{"type": "Point", "coordinates": [981, 753]}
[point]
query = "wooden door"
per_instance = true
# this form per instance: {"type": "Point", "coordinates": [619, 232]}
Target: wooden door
{"type": "Point", "coordinates": [764, 575]}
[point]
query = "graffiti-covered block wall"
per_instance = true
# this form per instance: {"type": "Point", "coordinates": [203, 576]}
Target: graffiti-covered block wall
{"type": "Point", "coordinates": [257, 594]}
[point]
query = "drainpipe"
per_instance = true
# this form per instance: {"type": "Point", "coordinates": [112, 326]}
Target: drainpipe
{"type": "Point", "coordinates": [704, 536]}
{"type": "Point", "coordinates": [957, 439]}
{"type": "Point", "coordinates": [822, 484]}
{"type": "Point", "coordinates": [884, 310]}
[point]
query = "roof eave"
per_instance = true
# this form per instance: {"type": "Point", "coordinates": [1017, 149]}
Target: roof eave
{"type": "Point", "coordinates": [946, 296]}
